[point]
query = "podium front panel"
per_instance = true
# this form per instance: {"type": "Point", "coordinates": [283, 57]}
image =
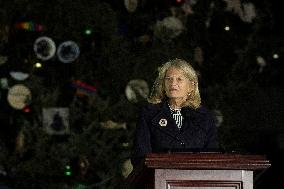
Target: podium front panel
{"type": "Point", "coordinates": [203, 179]}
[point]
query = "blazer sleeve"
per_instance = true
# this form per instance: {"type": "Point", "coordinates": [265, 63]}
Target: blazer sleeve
{"type": "Point", "coordinates": [142, 138]}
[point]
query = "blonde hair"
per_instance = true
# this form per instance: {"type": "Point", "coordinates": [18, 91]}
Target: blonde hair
{"type": "Point", "coordinates": [158, 90]}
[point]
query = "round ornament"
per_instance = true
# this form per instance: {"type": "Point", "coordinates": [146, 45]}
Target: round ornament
{"type": "Point", "coordinates": [169, 28]}
{"type": "Point", "coordinates": [44, 47]}
{"type": "Point", "coordinates": [68, 51]}
{"type": "Point", "coordinates": [136, 90]}
{"type": "Point", "coordinates": [130, 5]}
{"type": "Point", "coordinates": [19, 96]}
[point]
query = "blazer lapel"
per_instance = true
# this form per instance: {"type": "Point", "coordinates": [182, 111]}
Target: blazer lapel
{"type": "Point", "coordinates": [164, 121]}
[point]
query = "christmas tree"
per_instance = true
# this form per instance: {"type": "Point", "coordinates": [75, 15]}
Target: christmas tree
{"type": "Point", "coordinates": [75, 73]}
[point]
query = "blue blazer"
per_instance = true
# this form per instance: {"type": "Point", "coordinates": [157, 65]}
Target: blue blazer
{"type": "Point", "coordinates": [156, 131]}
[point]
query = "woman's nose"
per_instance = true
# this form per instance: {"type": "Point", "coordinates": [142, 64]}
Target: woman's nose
{"type": "Point", "coordinates": [173, 82]}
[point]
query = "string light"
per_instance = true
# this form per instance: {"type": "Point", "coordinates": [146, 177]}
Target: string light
{"type": "Point", "coordinates": [38, 65]}
{"type": "Point", "coordinates": [26, 109]}
{"type": "Point", "coordinates": [275, 56]}
{"type": "Point", "coordinates": [227, 28]}
{"type": "Point", "coordinates": [29, 26]}
{"type": "Point", "coordinates": [88, 31]}
{"type": "Point", "coordinates": [68, 170]}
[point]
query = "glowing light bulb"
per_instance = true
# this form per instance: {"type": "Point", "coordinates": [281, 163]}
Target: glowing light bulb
{"type": "Point", "coordinates": [88, 31]}
{"type": "Point", "coordinates": [227, 28]}
{"type": "Point", "coordinates": [38, 65]}
{"type": "Point", "coordinates": [68, 170]}
{"type": "Point", "coordinates": [275, 56]}
{"type": "Point", "coordinates": [26, 109]}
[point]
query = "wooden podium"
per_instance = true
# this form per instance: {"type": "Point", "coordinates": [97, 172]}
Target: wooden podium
{"type": "Point", "coordinates": [196, 171]}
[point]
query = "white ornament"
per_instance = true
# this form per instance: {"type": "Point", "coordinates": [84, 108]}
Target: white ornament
{"type": "Point", "coordinates": [261, 62]}
{"type": "Point", "coordinates": [19, 96]}
{"type": "Point", "coordinates": [44, 48]}
{"type": "Point", "coordinates": [20, 76]}
{"type": "Point", "coordinates": [247, 13]}
{"type": "Point", "coordinates": [130, 5]}
{"type": "Point", "coordinates": [169, 28]}
{"type": "Point", "coordinates": [136, 89]}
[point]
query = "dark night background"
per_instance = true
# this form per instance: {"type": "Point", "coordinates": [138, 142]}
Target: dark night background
{"type": "Point", "coordinates": [74, 126]}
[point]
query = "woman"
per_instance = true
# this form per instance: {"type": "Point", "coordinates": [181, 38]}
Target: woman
{"type": "Point", "coordinates": [174, 120]}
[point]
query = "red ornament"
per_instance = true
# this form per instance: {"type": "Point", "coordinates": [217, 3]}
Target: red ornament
{"type": "Point", "coordinates": [26, 109]}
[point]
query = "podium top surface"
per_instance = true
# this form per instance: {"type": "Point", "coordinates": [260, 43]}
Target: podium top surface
{"type": "Point", "coordinates": [206, 161]}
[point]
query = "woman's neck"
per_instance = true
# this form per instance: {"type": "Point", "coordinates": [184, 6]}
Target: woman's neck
{"type": "Point", "coordinates": [175, 103]}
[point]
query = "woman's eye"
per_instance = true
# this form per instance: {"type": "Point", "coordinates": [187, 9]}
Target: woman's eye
{"type": "Point", "coordinates": [168, 78]}
{"type": "Point", "coordinates": [179, 79]}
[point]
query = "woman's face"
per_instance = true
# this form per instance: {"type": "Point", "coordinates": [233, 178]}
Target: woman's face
{"type": "Point", "coordinates": [177, 85]}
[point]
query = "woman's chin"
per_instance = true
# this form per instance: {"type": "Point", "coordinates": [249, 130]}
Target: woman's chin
{"type": "Point", "coordinates": [175, 97]}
